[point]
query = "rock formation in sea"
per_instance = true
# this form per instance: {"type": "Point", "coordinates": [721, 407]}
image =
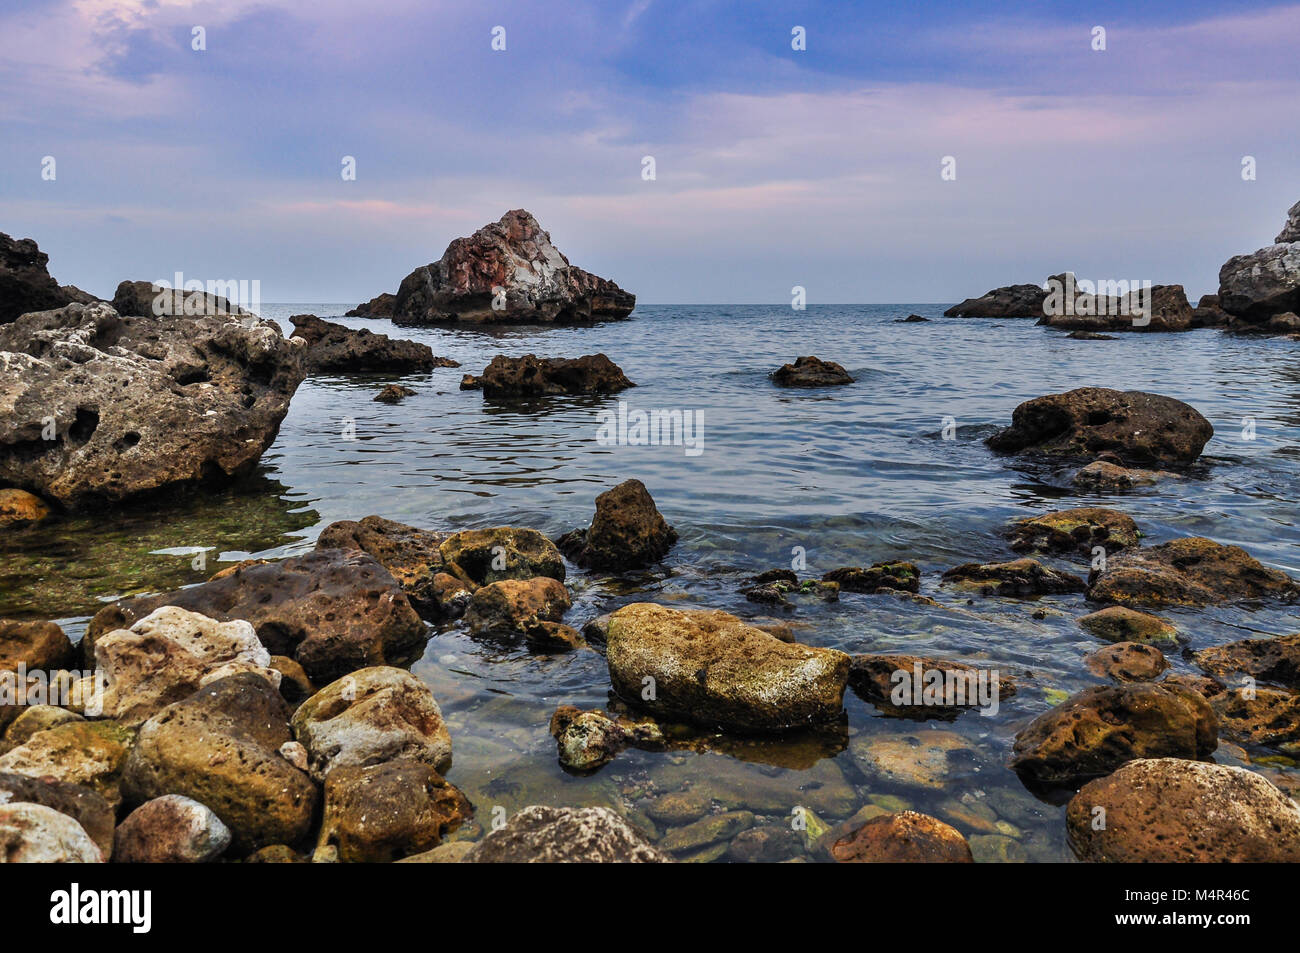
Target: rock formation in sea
{"type": "Point", "coordinates": [533, 376]}
{"type": "Point", "coordinates": [1012, 301]}
{"type": "Point", "coordinates": [336, 348]}
{"type": "Point", "coordinates": [1261, 290]}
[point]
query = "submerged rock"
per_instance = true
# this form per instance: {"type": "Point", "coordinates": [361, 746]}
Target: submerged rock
{"type": "Point", "coordinates": [547, 835]}
{"type": "Point", "coordinates": [532, 376]}
{"type": "Point", "coordinates": [627, 532]}
{"type": "Point", "coordinates": [905, 837]}
{"type": "Point", "coordinates": [78, 802]}
{"type": "Point", "coordinates": [1171, 810]}
{"type": "Point", "coordinates": [904, 577]}
{"type": "Point", "coordinates": [1075, 531]}
{"type": "Point", "coordinates": [1275, 659]}
{"type": "Point", "coordinates": [18, 509]}
{"type": "Point", "coordinates": [1105, 476]}
{"type": "Point", "coordinates": [1089, 336]}
{"type": "Point", "coordinates": [171, 829]}
{"type": "Point", "coordinates": [94, 406]}
{"type": "Point", "coordinates": [709, 668]}
{"type": "Point", "coordinates": [1137, 427]}
{"type": "Point", "coordinates": [35, 834]}
{"type": "Point", "coordinates": [1127, 662]}
{"type": "Point", "coordinates": [589, 739]}
{"type": "Point", "coordinates": [1098, 729]}
{"type": "Point", "coordinates": [335, 347]}
{"type": "Point", "coordinates": [811, 372]}
{"type": "Point", "coordinates": [1012, 301]}
{"type": "Point", "coordinates": [1121, 624]}
{"type": "Point", "coordinates": [1020, 578]}
{"type": "Point", "coordinates": [922, 687]}
{"type": "Point", "coordinates": [507, 272]}
{"type": "Point", "coordinates": [1191, 571]}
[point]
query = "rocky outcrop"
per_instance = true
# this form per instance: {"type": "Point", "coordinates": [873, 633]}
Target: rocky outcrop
{"type": "Point", "coordinates": [548, 835]}
{"type": "Point", "coordinates": [172, 829]}
{"type": "Point", "coordinates": [507, 272]}
{"type": "Point", "coordinates": [1077, 531]}
{"type": "Point", "coordinates": [380, 306]}
{"type": "Point", "coordinates": [1291, 230]}
{"type": "Point", "coordinates": [146, 299]}
{"type": "Point", "coordinates": [339, 349]}
{"type": "Point", "coordinates": [1255, 287]}
{"type": "Point", "coordinates": [709, 668]}
{"type": "Point", "coordinates": [1192, 571]}
{"type": "Point", "coordinates": [1137, 427]}
{"type": "Point", "coordinates": [1275, 660]}
{"type": "Point", "coordinates": [1170, 810]}
{"type": "Point", "coordinates": [95, 406]}
{"type": "Point", "coordinates": [1020, 578]}
{"type": "Point", "coordinates": [903, 838]}
{"type": "Point", "coordinates": [627, 532]}
{"type": "Point", "coordinates": [1013, 301]}
{"type": "Point", "coordinates": [25, 284]}
{"type": "Point", "coordinates": [333, 611]}
{"type": "Point", "coordinates": [811, 371]}
{"type": "Point", "coordinates": [1208, 313]}
{"type": "Point", "coordinates": [1095, 731]}
{"type": "Point", "coordinates": [532, 376]}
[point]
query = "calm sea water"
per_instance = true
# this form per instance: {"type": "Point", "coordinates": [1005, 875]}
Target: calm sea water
{"type": "Point", "coordinates": [852, 475]}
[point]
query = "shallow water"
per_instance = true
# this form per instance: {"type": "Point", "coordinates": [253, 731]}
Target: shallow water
{"type": "Point", "coordinates": [853, 475]}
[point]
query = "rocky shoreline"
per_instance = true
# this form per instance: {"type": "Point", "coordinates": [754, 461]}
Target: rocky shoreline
{"type": "Point", "coordinates": [268, 714]}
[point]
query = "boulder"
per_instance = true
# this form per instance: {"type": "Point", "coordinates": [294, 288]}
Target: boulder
{"type": "Point", "coordinates": [371, 716]}
{"type": "Point", "coordinates": [1137, 427]}
{"type": "Point", "coordinates": [532, 376]}
{"type": "Point", "coordinates": [339, 349]}
{"type": "Point", "coordinates": [381, 812]}
{"type": "Point", "coordinates": [380, 306]}
{"type": "Point", "coordinates": [80, 803]}
{"type": "Point", "coordinates": [169, 655]}
{"type": "Point", "coordinates": [480, 556]}
{"type": "Point", "coordinates": [145, 299]}
{"type": "Point", "coordinates": [1020, 578]}
{"type": "Point", "coordinates": [709, 668]}
{"type": "Point", "coordinates": [333, 611]}
{"type": "Point", "coordinates": [920, 687]}
{"type": "Point", "coordinates": [1260, 717]}
{"type": "Point", "coordinates": [811, 372]}
{"type": "Point", "coordinates": [1275, 659]}
{"type": "Point", "coordinates": [89, 753]}
{"type": "Point", "coordinates": [586, 740]}
{"type": "Point", "coordinates": [1170, 810]}
{"type": "Point", "coordinates": [39, 646]}
{"type": "Point", "coordinates": [1122, 624]}
{"type": "Point", "coordinates": [99, 407]}
{"type": "Point", "coordinates": [1208, 313]}
{"type": "Point", "coordinates": [1012, 301]}
{"type": "Point", "coordinates": [412, 555]}
{"type": "Point", "coordinates": [35, 834]}
{"type": "Point", "coordinates": [171, 829]}
{"type": "Point", "coordinates": [1160, 308]}
{"type": "Point", "coordinates": [547, 835]}
{"type": "Point", "coordinates": [1257, 286]}
{"type": "Point", "coordinates": [1192, 571]}
{"type": "Point", "coordinates": [627, 532]}
{"type": "Point", "coordinates": [1127, 662]}
{"type": "Point", "coordinates": [507, 272]}
{"type": "Point", "coordinates": [904, 837]}
{"type": "Point", "coordinates": [34, 718]}
{"type": "Point", "coordinates": [1098, 729]}
{"type": "Point", "coordinates": [19, 509]}
{"type": "Point", "coordinates": [904, 577]}
{"type": "Point", "coordinates": [1077, 531]}
{"type": "Point", "coordinates": [221, 747]}
{"type": "Point", "coordinates": [515, 607]}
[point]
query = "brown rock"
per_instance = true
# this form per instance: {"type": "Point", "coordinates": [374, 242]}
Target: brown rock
{"type": "Point", "coordinates": [904, 577]}
{"type": "Point", "coordinates": [1275, 659]}
{"type": "Point", "coordinates": [586, 740]}
{"type": "Point", "coordinates": [532, 376]}
{"type": "Point", "coordinates": [1102, 475]}
{"type": "Point", "coordinates": [90, 753]}
{"type": "Point", "coordinates": [480, 556]}
{"type": "Point", "coordinates": [627, 532]}
{"type": "Point", "coordinates": [546, 835]}
{"type": "Point", "coordinates": [905, 837]}
{"type": "Point", "coordinates": [1075, 531]}
{"type": "Point", "coordinates": [1019, 578]}
{"type": "Point", "coordinates": [380, 306]}
{"type": "Point", "coordinates": [1127, 662]}
{"type": "Point", "coordinates": [19, 509]}
{"type": "Point", "coordinates": [171, 829]}
{"type": "Point", "coordinates": [80, 803]}
{"type": "Point", "coordinates": [514, 606]}
{"type": "Point", "coordinates": [412, 555]}
{"type": "Point", "coordinates": [1261, 717]}
{"type": "Point", "coordinates": [811, 372]}
{"type": "Point", "coordinates": [925, 687]}
{"type": "Point", "coordinates": [1121, 624]}
{"type": "Point", "coordinates": [25, 284]}
{"type": "Point", "coordinates": [1012, 301]}
{"type": "Point", "coordinates": [1191, 571]}
{"type": "Point", "coordinates": [339, 349]}
{"type": "Point", "coordinates": [393, 394]}
{"type": "Point", "coordinates": [40, 646]}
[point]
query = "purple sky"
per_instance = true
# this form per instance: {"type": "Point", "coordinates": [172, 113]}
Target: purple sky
{"type": "Point", "coordinates": [775, 168]}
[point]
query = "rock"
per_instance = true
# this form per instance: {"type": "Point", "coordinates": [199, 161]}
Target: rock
{"type": "Point", "coordinates": [380, 812]}
{"type": "Point", "coordinates": [137, 403]}
{"type": "Point", "coordinates": [80, 803]}
{"type": "Point", "coordinates": [1171, 810]}
{"type": "Point", "coordinates": [393, 394]}
{"type": "Point", "coordinates": [39, 646]}
{"type": "Point", "coordinates": [25, 284]}
{"type": "Point", "coordinates": [532, 376]}
{"type": "Point", "coordinates": [1209, 314]}
{"type": "Point", "coordinates": [221, 747]}
{"type": "Point", "coordinates": [627, 532]}
{"type": "Point", "coordinates": [1160, 308]}
{"type": "Point", "coordinates": [926, 687]}
{"type": "Point", "coordinates": [902, 576]}
{"type": "Point", "coordinates": [90, 753]}
{"type": "Point", "coordinates": [514, 607]}
{"type": "Point", "coordinates": [1089, 336]}
{"type": "Point", "coordinates": [34, 718]}
{"type": "Point", "coordinates": [295, 685]}
{"type": "Point", "coordinates": [1191, 571]}
{"type": "Point", "coordinates": [1121, 624]}
{"type": "Point", "coordinates": [145, 299]}
{"type": "Point", "coordinates": [547, 835]}
{"type": "Point", "coordinates": [1137, 427]}
{"type": "Point", "coordinates": [1291, 231]}
{"type": "Point", "coordinates": [167, 656]}
{"type": "Point", "coordinates": [380, 306]}
{"type": "Point", "coordinates": [1104, 476]}
{"type": "Point", "coordinates": [997, 849]}
{"type": "Point", "coordinates": [706, 831]}
{"type": "Point", "coordinates": [770, 844]}
{"type": "Point", "coordinates": [1013, 301]}
{"type": "Point", "coordinates": [481, 556]}
{"type": "Point", "coordinates": [1202, 685]}
{"type": "Point", "coordinates": [171, 829]}
{"type": "Point", "coordinates": [76, 295]}
{"type": "Point", "coordinates": [1098, 729]}
{"type": "Point", "coordinates": [507, 272]}
{"type": "Point", "coordinates": [412, 555]}
{"type": "Point", "coordinates": [1257, 286]}
{"type": "Point", "coordinates": [35, 834]}
{"type": "Point", "coordinates": [911, 319]}
{"type": "Point", "coordinates": [597, 630]}
{"type": "Point", "coordinates": [333, 611]}
{"type": "Point", "coordinates": [587, 740]}
{"type": "Point", "coordinates": [811, 372]}
{"type": "Point", "coordinates": [274, 854]}
{"type": "Point", "coordinates": [19, 509]}
{"type": "Point", "coordinates": [371, 716]}
{"type": "Point", "coordinates": [1127, 662]}
{"type": "Point", "coordinates": [923, 758]}
{"type": "Point", "coordinates": [905, 837]}
{"type": "Point", "coordinates": [337, 348]}
{"type": "Point", "coordinates": [1075, 531]}
{"type": "Point", "coordinates": [1019, 578]}
{"type": "Point", "coordinates": [1260, 717]}
{"type": "Point", "coordinates": [1275, 659]}
{"type": "Point", "coordinates": [711, 669]}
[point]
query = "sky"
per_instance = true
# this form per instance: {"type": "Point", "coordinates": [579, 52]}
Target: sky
{"type": "Point", "coordinates": [774, 167]}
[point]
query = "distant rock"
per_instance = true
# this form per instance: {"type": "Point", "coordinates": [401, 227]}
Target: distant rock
{"type": "Point", "coordinates": [1137, 427]}
{"type": "Point", "coordinates": [148, 300]}
{"type": "Point", "coordinates": [25, 284]}
{"type": "Point", "coordinates": [380, 306]}
{"type": "Point", "coordinates": [811, 372]}
{"type": "Point", "coordinates": [532, 376]}
{"type": "Point", "coordinates": [910, 319]}
{"type": "Point", "coordinates": [336, 348]}
{"type": "Point", "coordinates": [1192, 571]}
{"type": "Point", "coordinates": [506, 272]}
{"type": "Point", "coordinates": [1159, 308]}
{"type": "Point", "coordinates": [1012, 301]}
{"type": "Point", "coordinates": [627, 532]}
{"type": "Point", "coordinates": [1089, 336]}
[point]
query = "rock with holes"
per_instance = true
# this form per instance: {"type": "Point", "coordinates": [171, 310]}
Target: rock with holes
{"type": "Point", "coordinates": [573, 835]}
{"type": "Point", "coordinates": [1260, 717]}
{"type": "Point", "coordinates": [1078, 532]}
{"type": "Point", "coordinates": [95, 406]}
{"type": "Point", "coordinates": [1020, 578]}
{"type": "Point", "coordinates": [1192, 571]}
{"type": "Point", "coordinates": [480, 556]}
{"type": "Point", "coordinates": [1275, 660]}
{"type": "Point", "coordinates": [1127, 662]}
{"type": "Point", "coordinates": [90, 753]}
{"type": "Point", "coordinates": [627, 532]}
{"type": "Point", "coordinates": [920, 687]}
{"type": "Point", "coordinates": [514, 607]}
{"type": "Point", "coordinates": [20, 509]}
{"type": "Point", "coordinates": [412, 555]}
